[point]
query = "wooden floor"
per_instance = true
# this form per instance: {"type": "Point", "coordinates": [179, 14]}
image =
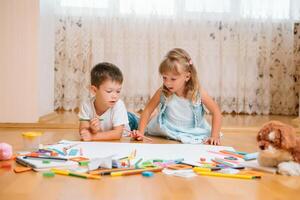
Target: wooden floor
{"type": "Point", "coordinates": [239, 132]}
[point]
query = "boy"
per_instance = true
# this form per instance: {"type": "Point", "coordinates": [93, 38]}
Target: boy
{"type": "Point", "coordinates": [104, 116]}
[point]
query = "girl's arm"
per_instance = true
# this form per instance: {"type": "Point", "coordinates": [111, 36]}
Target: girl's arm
{"type": "Point", "coordinates": [145, 116]}
{"type": "Point", "coordinates": [114, 134]}
{"type": "Point", "coordinates": [213, 108]}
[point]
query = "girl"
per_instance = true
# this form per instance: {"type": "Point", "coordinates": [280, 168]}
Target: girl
{"type": "Point", "coordinates": [182, 101]}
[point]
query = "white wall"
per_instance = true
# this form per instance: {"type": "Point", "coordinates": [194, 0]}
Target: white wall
{"type": "Point", "coordinates": [46, 58]}
{"type": "Point", "coordinates": [26, 56]}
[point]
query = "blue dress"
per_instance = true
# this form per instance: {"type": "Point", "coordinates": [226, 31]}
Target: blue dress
{"type": "Point", "coordinates": [180, 119]}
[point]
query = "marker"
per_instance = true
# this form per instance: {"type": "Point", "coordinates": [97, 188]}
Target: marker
{"type": "Point", "coordinates": [239, 152]}
{"type": "Point", "coordinates": [137, 171]}
{"type": "Point", "coordinates": [241, 176]}
{"type": "Point", "coordinates": [142, 136]}
{"type": "Point", "coordinates": [80, 175]}
{"type": "Point", "coordinates": [46, 158]}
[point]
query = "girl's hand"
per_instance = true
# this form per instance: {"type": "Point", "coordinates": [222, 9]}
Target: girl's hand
{"type": "Point", "coordinates": [95, 125]}
{"type": "Point", "coordinates": [85, 135]}
{"type": "Point", "coordinates": [213, 141]}
{"type": "Point", "coordinates": [135, 134]}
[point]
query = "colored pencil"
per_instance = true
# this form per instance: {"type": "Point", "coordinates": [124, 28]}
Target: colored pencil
{"type": "Point", "coordinates": [80, 175]}
{"type": "Point", "coordinates": [109, 171]}
{"type": "Point", "coordinates": [142, 136]}
{"type": "Point", "coordinates": [241, 176]}
{"type": "Point", "coordinates": [136, 171]}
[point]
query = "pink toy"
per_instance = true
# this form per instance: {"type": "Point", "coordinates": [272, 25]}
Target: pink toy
{"type": "Point", "coordinates": [5, 151]}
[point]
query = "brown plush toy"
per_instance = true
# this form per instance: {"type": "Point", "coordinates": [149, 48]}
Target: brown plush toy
{"type": "Point", "coordinates": [279, 147]}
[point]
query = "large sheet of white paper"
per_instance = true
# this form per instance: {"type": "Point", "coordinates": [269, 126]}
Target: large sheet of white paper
{"type": "Point", "coordinates": [189, 152]}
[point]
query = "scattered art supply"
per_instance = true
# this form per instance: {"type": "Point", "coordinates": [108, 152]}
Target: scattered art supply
{"type": "Point", "coordinates": [22, 169]}
{"type": "Point", "coordinates": [185, 173]}
{"type": "Point", "coordinates": [138, 162]}
{"type": "Point", "coordinates": [31, 140]}
{"type": "Point", "coordinates": [232, 153]}
{"type": "Point", "coordinates": [48, 174]}
{"type": "Point", "coordinates": [136, 171]}
{"type": "Point", "coordinates": [179, 166]}
{"type": "Point", "coordinates": [78, 159]}
{"type": "Point", "coordinates": [46, 158]}
{"type": "Point", "coordinates": [81, 151]}
{"type": "Point", "coordinates": [142, 136]}
{"type": "Point", "coordinates": [100, 119]}
{"type": "Point", "coordinates": [251, 156]}
{"type": "Point", "coordinates": [109, 171]}
{"type": "Point", "coordinates": [96, 163]}
{"type": "Point", "coordinates": [226, 162]}
{"type": "Point", "coordinates": [73, 152]}
{"type": "Point", "coordinates": [205, 169]}
{"type": "Point", "coordinates": [239, 152]}
{"type": "Point", "coordinates": [46, 161]}
{"type": "Point", "coordinates": [65, 149]}
{"type": "Point", "coordinates": [5, 151]}
{"type": "Point", "coordinates": [147, 174]}
{"type": "Point", "coordinates": [228, 175]}
{"type": "Point", "coordinates": [75, 174]}
{"type": "Point", "coordinates": [5, 166]}
{"type": "Point", "coordinates": [37, 162]}
{"type": "Point", "coordinates": [58, 151]}
{"type": "Point", "coordinates": [83, 163]}
{"type": "Point", "coordinates": [230, 158]}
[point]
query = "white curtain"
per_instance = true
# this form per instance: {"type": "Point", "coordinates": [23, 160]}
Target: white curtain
{"type": "Point", "coordinates": [245, 50]}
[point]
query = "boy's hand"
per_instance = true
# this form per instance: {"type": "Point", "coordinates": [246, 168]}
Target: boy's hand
{"type": "Point", "coordinates": [95, 125]}
{"type": "Point", "coordinates": [85, 135]}
{"type": "Point", "coordinates": [213, 141]}
{"type": "Point", "coordinates": [135, 134]}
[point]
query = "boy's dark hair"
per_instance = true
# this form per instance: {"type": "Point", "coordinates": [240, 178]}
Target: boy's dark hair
{"type": "Point", "coordinates": [103, 71]}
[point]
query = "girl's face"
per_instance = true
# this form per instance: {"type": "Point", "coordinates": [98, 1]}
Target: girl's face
{"type": "Point", "coordinates": [175, 82]}
{"type": "Point", "coordinates": [108, 93]}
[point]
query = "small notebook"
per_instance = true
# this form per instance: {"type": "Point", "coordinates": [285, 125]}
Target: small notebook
{"type": "Point", "coordinates": [39, 165]}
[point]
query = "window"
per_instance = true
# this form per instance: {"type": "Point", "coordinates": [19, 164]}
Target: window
{"type": "Point", "coordinates": [276, 9]}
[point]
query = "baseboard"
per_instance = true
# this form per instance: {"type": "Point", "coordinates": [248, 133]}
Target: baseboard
{"type": "Point", "coordinates": [48, 117]}
{"type": "Point", "coordinates": [39, 126]}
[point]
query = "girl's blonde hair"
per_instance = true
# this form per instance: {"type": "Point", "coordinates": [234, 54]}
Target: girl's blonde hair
{"type": "Point", "coordinates": [179, 58]}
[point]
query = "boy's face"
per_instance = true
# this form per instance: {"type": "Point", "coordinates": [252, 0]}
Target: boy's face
{"type": "Point", "coordinates": [108, 92]}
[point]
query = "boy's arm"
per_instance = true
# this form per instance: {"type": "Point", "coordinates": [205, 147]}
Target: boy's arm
{"type": "Point", "coordinates": [84, 130]}
{"type": "Point", "coordinates": [114, 134]}
{"type": "Point", "coordinates": [213, 108]}
{"type": "Point", "coordinates": [153, 103]}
